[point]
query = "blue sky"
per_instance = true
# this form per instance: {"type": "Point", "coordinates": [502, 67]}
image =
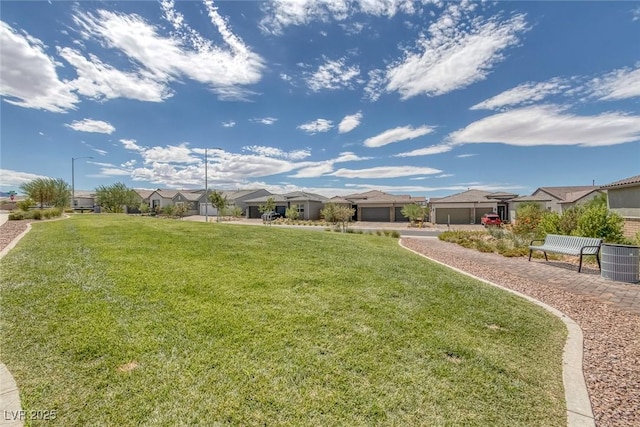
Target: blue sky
{"type": "Point", "coordinates": [427, 98]}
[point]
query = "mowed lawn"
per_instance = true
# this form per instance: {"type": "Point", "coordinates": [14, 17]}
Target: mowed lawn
{"type": "Point", "coordinates": [115, 320]}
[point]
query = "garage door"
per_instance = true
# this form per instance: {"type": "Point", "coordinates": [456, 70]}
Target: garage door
{"type": "Point", "coordinates": [254, 212]}
{"type": "Point", "coordinates": [208, 209]}
{"type": "Point", "coordinates": [399, 217]}
{"type": "Point", "coordinates": [375, 214]}
{"type": "Point", "coordinates": [457, 216]}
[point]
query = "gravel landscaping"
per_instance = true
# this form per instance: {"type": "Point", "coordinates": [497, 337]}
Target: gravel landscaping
{"type": "Point", "coordinates": [10, 230]}
{"type": "Point", "coordinates": [611, 335]}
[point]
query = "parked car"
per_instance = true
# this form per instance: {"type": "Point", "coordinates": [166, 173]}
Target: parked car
{"type": "Point", "coordinates": [491, 219]}
{"type": "Point", "coordinates": [270, 216]}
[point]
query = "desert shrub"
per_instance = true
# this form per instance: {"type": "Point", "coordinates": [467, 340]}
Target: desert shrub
{"type": "Point", "coordinates": [568, 224]}
{"type": "Point", "coordinates": [169, 210]}
{"type": "Point", "coordinates": [25, 204]}
{"type": "Point", "coordinates": [496, 232]}
{"type": "Point", "coordinates": [16, 216]}
{"type": "Point", "coordinates": [598, 221]}
{"type": "Point", "coordinates": [484, 246]}
{"type": "Point", "coordinates": [37, 215]}
{"type": "Point", "coordinates": [292, 213]}
{"type": "Point", "coordinates": [528, 217]}
{"type": "Point", "coordinates": [395, 234]}
{"type": "Point", "coordinates": [550, 223]}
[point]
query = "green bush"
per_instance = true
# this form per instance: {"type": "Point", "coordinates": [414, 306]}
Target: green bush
{"type": "Point", "coordinates": [395, 234]}
{"type": "Point", "coordinates": [598, 221]}
{"type": "Point", "coordinates": [528, 217]}
{"type": "Point", "coordinates": [16, 216]}
{"type": "Point", "coordinates": [25, 204]}
{"type": "Point", "coordinates": [37, 215]}
{"type": "Point", "coordinates": [568, 224]}
{"type": "Point", "coordinates": [550, 223]}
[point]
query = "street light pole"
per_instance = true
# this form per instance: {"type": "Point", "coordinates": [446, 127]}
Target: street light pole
{"type": "Point", "coordinates": [73, 179]}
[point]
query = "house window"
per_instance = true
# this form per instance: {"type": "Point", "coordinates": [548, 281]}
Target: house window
{"type": "Point", "coordinates": [300, 210]}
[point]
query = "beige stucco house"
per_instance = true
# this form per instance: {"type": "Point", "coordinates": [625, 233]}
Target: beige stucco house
{"type": "Point", "coordinates": [623, 197]}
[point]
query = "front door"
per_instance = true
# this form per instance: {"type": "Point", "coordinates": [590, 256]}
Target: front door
{"type": "Point", "coordinates": [502, 212]}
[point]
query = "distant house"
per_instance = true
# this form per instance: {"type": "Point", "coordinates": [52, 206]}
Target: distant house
{"type": "Point", "coordinates": [161, 198]}
{"type": "Point", "coordinates": [84, 199]}
{"type": "Point", "coordinates": [562, 198]}
{"type": "Point", "coordinates": [623, 197]}
{"type": "Point", "coordinates": [253, 205]}
{"type": "Point", "coordinates": [468, 206]}
{"type": "Point", "coordinates": [235, 198]}
{"type": "Point", "coordinates": [186, 197]}
{"type": "Point", "coordinates": [379, 206]}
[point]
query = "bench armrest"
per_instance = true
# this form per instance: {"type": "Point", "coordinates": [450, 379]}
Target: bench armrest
{"type": "Point", "coordinates": [536, 240]}
{"type": "Point", "coordinates": [585, 247]}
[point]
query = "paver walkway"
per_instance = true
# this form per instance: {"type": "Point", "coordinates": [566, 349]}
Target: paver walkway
{"type": "Point", "coordinates": [562, 275]}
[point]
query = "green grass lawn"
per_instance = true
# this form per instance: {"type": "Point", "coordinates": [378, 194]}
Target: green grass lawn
{"type": "Point", "coordinates": [115, 320]}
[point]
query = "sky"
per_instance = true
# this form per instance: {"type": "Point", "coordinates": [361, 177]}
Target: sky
{"type": "Point", "coordinates": [427, 98]}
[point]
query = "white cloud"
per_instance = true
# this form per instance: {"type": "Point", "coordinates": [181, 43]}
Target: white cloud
{"type": "Point", "coordinates": [278, 153]}
{"type": "Point", "coordinates": [114, 172]}
{"type": "Point", "coordinates": [332, 75]}
{"type": "Point", "coordinates": [280, 14]}
{"type": "Point", "coordinates": [619, 84]}
{"type": "Point", "coordinates": [427, 151]}
{"type": "Point", "coordinates": [444, 175]}
{"type": "Point", "coordinates": [229, 124]}
{"type": "Point", "coordinates": [455, 54]}
{"type": "Point", "coordinates": [349, 156]}
{"type": "Point", "coordinates": [350, 122]}
{"type": "Point", "coordinates": [314, 171]}
{"type": "Point", "coordinates": [636, 14]}
{"type": "Point", "coordinates": [547, 125]}
{"type": "Point", "coordinates": [265, 120]}
{"type": "Point", "coordinates": [318, 125]}
{"type": "Point", "coordinates": [523, 94]}
{"type": "Point", "coordinates": [464, 156]}
{"type": "Point", "coordinates": [397, 134]}
{"type": "Point", "coordinates": [226, 68]}
{"type": "Point", "coordinates": [130, 144]}
{"type": "Point", "coordinates": [385, 172]}
{"type": "Point", "coordinates": [171, 153]}
{"type": "Point", "coordinates": [28, 76]}
{"type": "Point", "coordinates": [375, 85]}
{"type": "Point", "coordinates": [90, 125]}
{"type": "Point", "coordinates": [12, 180]}
{"type": "Point", "coordinates": [101, 81]}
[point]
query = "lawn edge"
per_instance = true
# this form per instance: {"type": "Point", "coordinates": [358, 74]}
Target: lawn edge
{"type": "Point", "coordinates": [579, 410]}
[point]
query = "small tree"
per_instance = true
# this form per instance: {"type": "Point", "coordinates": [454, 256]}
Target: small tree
{"type": "Point", "coordinates": [413, 212]}
{"type": "Point", "coordinates": [329, 213]}
{"type": "Point", "coordinates": [343, 215]}
{"type": "Point", "coordinates": [113, 198]}
{"type": "Point", "coordinates": [144, 208]}
{"type": "Point", "coordinates": [218, 200]}
{"type": "Point", "coordinates": [292, 213]}
{"type": "Point", "coordinates": [48, 191]}
{"type": "Point", "coordinates": [269, 206]}
{"type": "Point", "coordinates": [236, 212]}
{"type": "Point", "coordinates": [169, 210]}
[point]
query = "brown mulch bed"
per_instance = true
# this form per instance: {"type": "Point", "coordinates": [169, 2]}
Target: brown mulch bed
{"type": "Point", "coordinates": [611, 362]}
{"type": "Point", "coordinates": [10, 230]}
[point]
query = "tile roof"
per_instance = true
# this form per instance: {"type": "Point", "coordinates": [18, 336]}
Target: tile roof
{"type": "Point", "coordinates": [577, 195]}
{"type": "Point", "coordinates": [631, 181]}
{"type": "Point", "coordinates": [143, 193]}
{"type": "Point", "coordinates": [560, 193]}
{"type": "Point", "coordinates": [276, 197]}
{"type": "Point", "coordinates": [190, 196]}
{"type": "Point", "coordinates": [469, 196]}
{"type": "Point", "coordinates": [304, 196]}
{"type": "Point", "coordinates": [536, 198]}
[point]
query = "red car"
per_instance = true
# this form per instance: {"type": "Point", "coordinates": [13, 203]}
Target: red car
{"type": "Point", "coordinates": [491, 219]}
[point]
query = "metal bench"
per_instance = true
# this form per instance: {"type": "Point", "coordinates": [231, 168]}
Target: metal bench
{"type": "Point", "coordinates": [568, 245]}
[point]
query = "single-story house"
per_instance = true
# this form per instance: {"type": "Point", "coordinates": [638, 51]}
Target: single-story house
{"type": "Point", "coordinates": [563, 198]}
{"type": "Point", "coordinates": [468, 206]}
{"type": "Point", "coordinates": [623, 198]}
{"type": "Point", "coordinates": [189, 198]}
{"type": "Point", "coordinates": [308, 205]}
{"type": "Point", "coordinates": [84, 199]}
{"type": "Point", "coordinates": [235, 198]}
{"type": "Point", "coordinates": [379, 206]}
{"type": "Point", "coordinates": [159, 199]}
